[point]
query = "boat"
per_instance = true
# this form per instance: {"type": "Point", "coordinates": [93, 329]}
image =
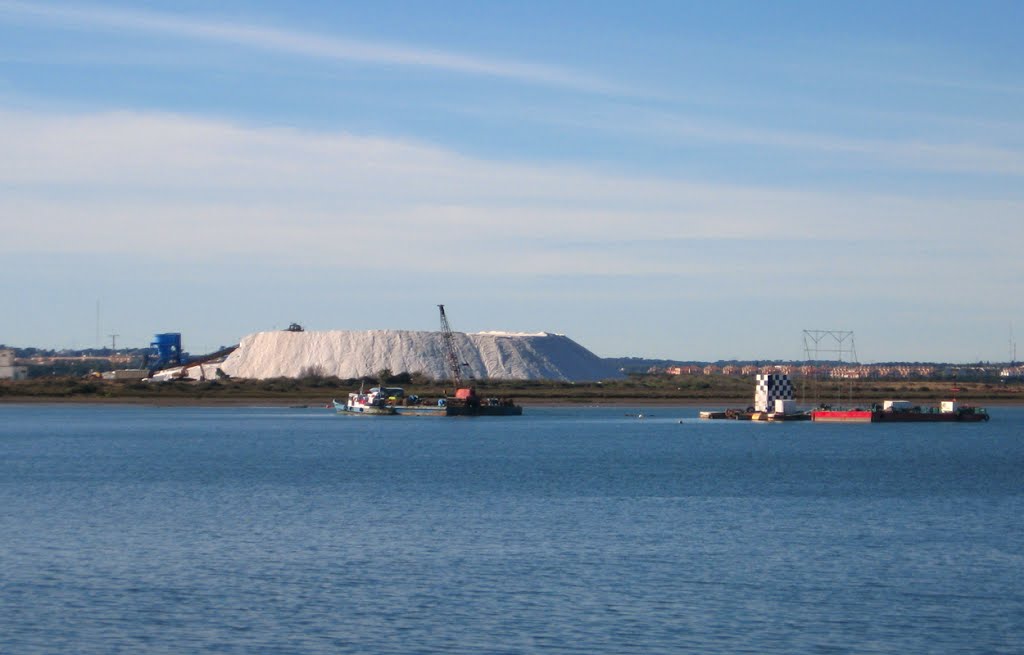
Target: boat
{"type": "Point", "coordinates": [779, 417]}
{"type": "Point", "coordinates": [474, 405]}
{"type": "Point", "coordinates": [421, 410]}
{"type": "Point", "coordinates": [466, 403]}
{"type": "Point", "coordinates": [416, 406]}
{"type": "Point", "coordinates": [903, 411]}
{"type": "Point", "coordinates": [373, 403]}
{"type": "Point", "coordinates": [946, 411]}
{"type": "Point", "coordinates": [393, 400]}
{"type": "Point", "coordinates": [712, 414]}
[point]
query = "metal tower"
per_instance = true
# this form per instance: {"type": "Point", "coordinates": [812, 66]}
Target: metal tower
{"type": "Point", "coordinates": [832, 346]}
{"type": "Point", "coordinates": [836, 343]}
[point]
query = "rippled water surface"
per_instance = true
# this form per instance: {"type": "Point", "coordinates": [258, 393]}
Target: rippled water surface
{"type": "Point", "coordinates": [171, 530]}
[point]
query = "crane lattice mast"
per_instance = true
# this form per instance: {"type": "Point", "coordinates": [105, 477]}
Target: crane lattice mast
{"type": "Point", "coordinates": [451, 352]}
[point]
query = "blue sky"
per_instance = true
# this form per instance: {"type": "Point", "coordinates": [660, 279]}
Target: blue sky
{"type": "Point", "coordinates": [660, 179]}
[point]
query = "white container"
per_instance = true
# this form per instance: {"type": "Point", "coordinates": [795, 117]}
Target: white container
{"type": "Point", "coordinates": [785, 406]}
{"type": "Point", "coordinates": [896, 405]}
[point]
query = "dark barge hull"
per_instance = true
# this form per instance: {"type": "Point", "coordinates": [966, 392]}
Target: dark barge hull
{"type": "Point", "coordinates": [459, 410]}
{"type": "Point", "coordinates": [928, 417]}
{"type": "Point", "coordinates": [484, 410]}
{"type": "Point", "coordinates": [885, 416]}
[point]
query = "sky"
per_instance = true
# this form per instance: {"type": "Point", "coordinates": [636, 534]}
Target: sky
{"type": "Point", "coordinates": [666, 179]}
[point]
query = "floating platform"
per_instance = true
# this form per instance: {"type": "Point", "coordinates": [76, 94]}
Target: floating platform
{"type": "Point", "coordinates": [914, 415]}
{"type": "Point", "coordinates": [746, 415]}
{"type": "Point", "coordinates": [773, 402]}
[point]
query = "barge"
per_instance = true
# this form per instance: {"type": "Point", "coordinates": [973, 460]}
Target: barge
{"type": "Point", "coordinates": [903, 411]}
{"type": "Point", "coordinates": [773, 402]}
{"type": "Point", "coordinates": [465, 402]}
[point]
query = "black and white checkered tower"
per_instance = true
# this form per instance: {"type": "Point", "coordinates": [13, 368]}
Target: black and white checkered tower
{"type": "Point", "coordinates": [771, 387]}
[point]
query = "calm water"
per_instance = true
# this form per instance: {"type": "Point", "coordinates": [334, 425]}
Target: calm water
{"type": "Point", "coordinates": [156, 530]}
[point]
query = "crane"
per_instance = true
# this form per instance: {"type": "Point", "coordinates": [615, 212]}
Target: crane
{"type": "Point", "coordinates": [451, 352]}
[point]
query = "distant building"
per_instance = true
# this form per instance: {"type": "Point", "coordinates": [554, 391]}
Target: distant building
{"type": "Point", "coordinates": [1012, 372]}
{"type": "Point", "coordinates": [684, 370]}
{"type": "Point", "coordinates": [8, 371]}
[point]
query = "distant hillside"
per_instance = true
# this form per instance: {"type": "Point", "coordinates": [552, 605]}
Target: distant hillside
{"type": "Point", "coordinates": [642, 365]}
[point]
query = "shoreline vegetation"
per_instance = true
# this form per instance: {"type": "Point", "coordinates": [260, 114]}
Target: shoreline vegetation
{"type": "Point", "coordinates": [704, 391]}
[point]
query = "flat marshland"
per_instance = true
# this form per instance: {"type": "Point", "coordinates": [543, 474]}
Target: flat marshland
{"type": "Point", "coordinates": [635, 390]}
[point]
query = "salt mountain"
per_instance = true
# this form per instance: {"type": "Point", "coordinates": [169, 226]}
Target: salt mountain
{"type": "Point", "coordinates": [352, 354]}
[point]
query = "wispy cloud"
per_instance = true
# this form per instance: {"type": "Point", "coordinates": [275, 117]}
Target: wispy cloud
{"type": "Point", "coordinates": [984, 86]}
{"type": "Point", "coordinates": [984, 148]}
{"type": "Point", "coordinates": [965, 157]}
{"type": "Point", "coordinates": [80, 183]}
{"type": "Point", "coordinates": [309, 45]}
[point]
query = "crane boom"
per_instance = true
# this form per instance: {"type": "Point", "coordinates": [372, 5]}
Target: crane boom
{"type": "Point", "coordinates": [451, 352]}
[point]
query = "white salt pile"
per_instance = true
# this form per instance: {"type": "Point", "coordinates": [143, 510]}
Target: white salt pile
{"type": "Point", "coordinates": [352, 354]}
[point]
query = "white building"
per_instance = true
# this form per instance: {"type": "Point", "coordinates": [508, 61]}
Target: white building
{"type": "Point", "coordinates": [8, 371]}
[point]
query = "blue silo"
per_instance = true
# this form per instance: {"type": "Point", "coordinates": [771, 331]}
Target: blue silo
{"type": "Point", "coordinates": [166, 351]}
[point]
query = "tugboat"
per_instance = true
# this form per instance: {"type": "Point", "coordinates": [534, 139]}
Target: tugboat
{"type": "Point", "coordinates": [374, 403]}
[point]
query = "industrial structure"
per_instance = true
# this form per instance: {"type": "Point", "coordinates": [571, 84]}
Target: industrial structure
{"type": "Point", "coordinates": [166, 352]}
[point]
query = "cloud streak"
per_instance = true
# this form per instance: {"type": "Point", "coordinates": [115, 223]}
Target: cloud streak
{"type": "Point", "coordinates": [310, 45]}
{"type": "Point", "coordinates": [80, 182]}
{"type": "Point", "coordinates": [920, 155]}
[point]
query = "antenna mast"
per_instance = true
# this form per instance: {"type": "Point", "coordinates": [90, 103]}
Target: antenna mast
{"type": "Point", "coordinates": [1013, 347]}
